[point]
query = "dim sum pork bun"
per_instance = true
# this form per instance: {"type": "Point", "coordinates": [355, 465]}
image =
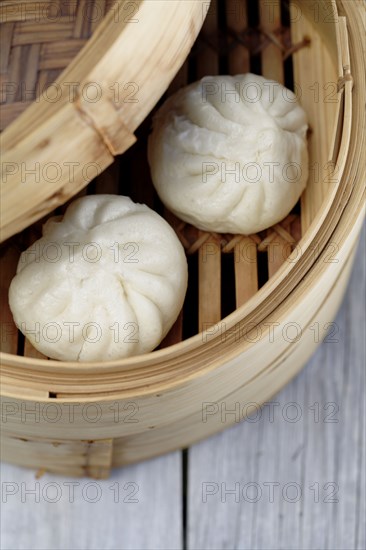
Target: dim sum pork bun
{"type": "Point", "coordinates": [229, 153]}
{"type": "Point", "coordinates": [106, 281]}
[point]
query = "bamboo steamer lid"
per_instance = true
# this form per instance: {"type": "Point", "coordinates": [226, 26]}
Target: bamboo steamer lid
{"type": "Point", "coordinates": [89, 115]}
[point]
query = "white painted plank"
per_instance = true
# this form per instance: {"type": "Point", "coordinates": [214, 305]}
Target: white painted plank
{"type": "Point", "coordinates": [139, 507]}
{"type": "Point", "coordinates": [324, 451]}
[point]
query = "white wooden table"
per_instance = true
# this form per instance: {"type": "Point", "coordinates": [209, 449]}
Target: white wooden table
{"type": "Point", "coordinates": [292, 479]}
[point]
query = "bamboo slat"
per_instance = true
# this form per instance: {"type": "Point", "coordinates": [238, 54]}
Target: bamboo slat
{"type": "Point", "coordinates": [208, 60]}
{"type": "Point", "coordinates": [237, 21]}
{"type": "Point", "coordinates": [245, 253]}
{"type": "Point", "coordinates": [272, 68]}
{"type": "Point", "coordinates": [246, 270]}
{"type": "Point", "coordinates": [209, 283]}
{"type": "Point", "coordinates": [7, 30]}
{"type": "Point", "coordinates": [28, 33]}
{"type": "Point", "coordinates": [272, 55]}
{"type": "Point", "coordinates": [57, 55]}
{"type": "Point", "coordinates": [9, 332]}
{"type": "Point", "coordinates": [277, 251]}
{"type": "Point", "coordinates": [209, 254]}
{"type": "Point", "coordinates": [29, 350]}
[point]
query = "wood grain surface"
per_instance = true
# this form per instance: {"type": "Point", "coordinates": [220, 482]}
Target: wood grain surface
{"type": "Point", "coordinates": [291, 477]}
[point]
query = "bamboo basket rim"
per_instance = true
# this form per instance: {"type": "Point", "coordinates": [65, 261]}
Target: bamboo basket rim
{"type": "Point", "coordinates": [339, 198]}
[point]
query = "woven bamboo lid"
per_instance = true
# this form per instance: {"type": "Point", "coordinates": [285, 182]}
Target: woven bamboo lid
{"type": "Point", "coordinates": [66, 96]}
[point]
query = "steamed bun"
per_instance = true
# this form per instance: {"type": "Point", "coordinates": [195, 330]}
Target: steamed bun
{"type": "Point", "coordinates": [229, 153]}
{"type": "Point", "coordinates": [104, 282]}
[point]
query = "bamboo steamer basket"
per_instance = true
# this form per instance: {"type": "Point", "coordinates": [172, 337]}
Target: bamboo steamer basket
{"type": "Point", "coordinates": [257, 306]}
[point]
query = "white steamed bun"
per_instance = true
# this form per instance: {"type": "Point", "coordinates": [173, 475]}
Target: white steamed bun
{"type": "Point", "coordinates": [105, 282]}
{"type": "Point", "coordinates": [229, 153]}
